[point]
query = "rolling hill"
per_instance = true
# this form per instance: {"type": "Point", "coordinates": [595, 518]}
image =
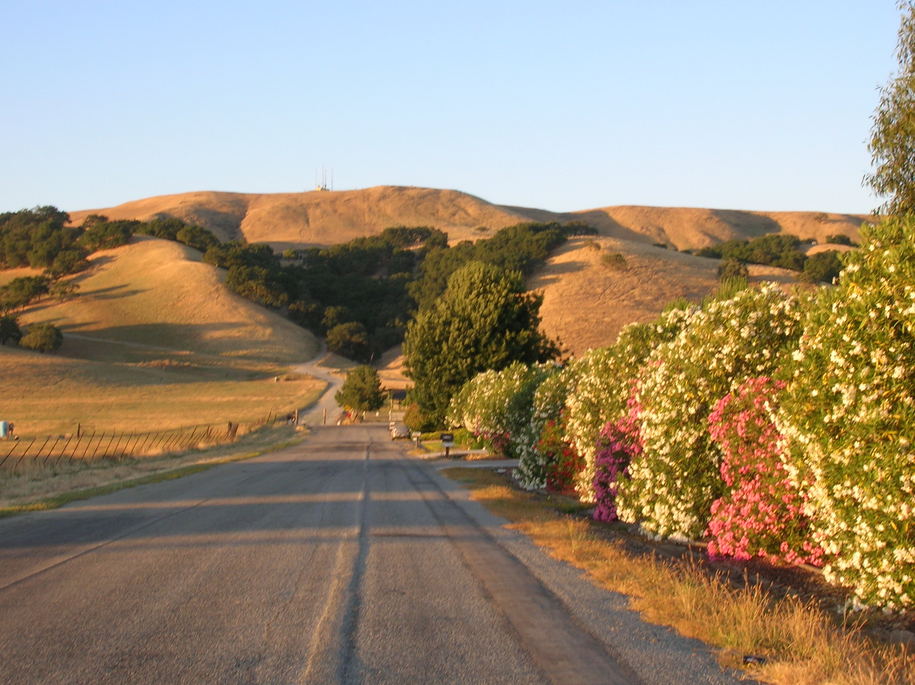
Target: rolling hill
{"type": "Point", "coordinates": [585, 302]}
{"type": "Point", "coordinates": [329, 217]}
{"type": "Point", "coordinates": [154, 340]}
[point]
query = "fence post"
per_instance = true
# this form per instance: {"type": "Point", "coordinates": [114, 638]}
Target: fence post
{"type": "Point", "coordinates": [147, 439]}
{"type": "Point", "coordinates": [38, 453]}
{"type": "Point", "coordinates": [127, 448]}
{"type": "Point", "coordinates": [63, 452]}
{"type": "Point", "coordinates": [24, 452]}
{"type": "Point", "coordinates": [88, 443]}
{"type": "Point", "coordinates": [9, 454]}
{"type": "Point", "coordinates": [50, 451]}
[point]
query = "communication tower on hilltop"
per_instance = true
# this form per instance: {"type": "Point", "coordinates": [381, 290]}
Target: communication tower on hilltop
{"type": "Point", "coordinates": [323, 184]}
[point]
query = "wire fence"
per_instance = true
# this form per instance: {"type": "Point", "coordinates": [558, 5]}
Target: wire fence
{"type": "Point", "coordinates": [87, 447]}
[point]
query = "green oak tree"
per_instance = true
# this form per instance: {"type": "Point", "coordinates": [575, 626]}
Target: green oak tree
{"type": "Point", "coordinates": [484, 320]}
{"type": "Point", "coordinates": [361, 391]}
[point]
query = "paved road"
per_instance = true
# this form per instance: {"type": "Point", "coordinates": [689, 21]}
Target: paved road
{"type": "Point", "coordinates": [339, 560]}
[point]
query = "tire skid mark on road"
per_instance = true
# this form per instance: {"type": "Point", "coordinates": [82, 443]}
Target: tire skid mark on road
{"type": "Point", "coordinates": [563, 649]}
{"type": "Point", "coordinates": [332, 649]}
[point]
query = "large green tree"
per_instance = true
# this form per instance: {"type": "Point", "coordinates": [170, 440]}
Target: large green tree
{"type": "Point", "coordinates": [484, 320]}
{"type": "Point", "coordinates": [361, 391]}
{"type": "Point", "coordinates": [892, 143]}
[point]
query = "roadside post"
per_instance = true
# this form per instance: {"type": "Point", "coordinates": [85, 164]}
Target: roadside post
{"type": "Point", "coordinates": [447, 442]}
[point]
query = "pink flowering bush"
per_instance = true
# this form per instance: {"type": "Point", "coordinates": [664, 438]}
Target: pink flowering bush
{"type": "Point", "coordinates": [762, 513]}
{"type": "Point", "coordinates": [619, 443]}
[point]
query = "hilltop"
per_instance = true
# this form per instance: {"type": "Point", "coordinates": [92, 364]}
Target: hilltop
{"type": "Point", "coordinates": [330, 217]}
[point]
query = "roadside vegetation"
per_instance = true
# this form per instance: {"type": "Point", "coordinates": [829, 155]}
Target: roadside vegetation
{"type": "Point", "coordinates": [776, 635]}
{"type": "Point", "coordinates": [39, 487]}
{"type": "Point", "coordinates": [772, 426]}
{"type": "Point", "coordinates": [361, 390]}
{"type": "Point", "coordinates": [775, 426]}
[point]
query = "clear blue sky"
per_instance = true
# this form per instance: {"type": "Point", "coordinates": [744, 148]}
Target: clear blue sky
{"type": "Point", "coordinates": [559, 105]}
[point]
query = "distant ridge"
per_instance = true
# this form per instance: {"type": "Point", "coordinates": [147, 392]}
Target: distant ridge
{"type": "Point", "coordinates": [330, 217]}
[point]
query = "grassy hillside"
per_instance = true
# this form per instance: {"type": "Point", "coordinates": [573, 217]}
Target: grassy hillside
{"type": "Point", "coordinates": [330, 217]}
{"type": "Point", "coordinates": [154, 339]}
{"type": "Point", "coordinates": [321, 217]}
{"type": "Point", "coordinates": [589, 293]}
{"type": "Point", "coordinates": [691, 228]}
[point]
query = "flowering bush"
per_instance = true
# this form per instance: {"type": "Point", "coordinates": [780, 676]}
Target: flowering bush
{"type": "Point", "coordinates": [761, 514]}
{"type": "Point", "coordinates": [549, 399]}
{"type": "Point", "coordinates": [671, 486]}
{"type": "Point", "coordinates": [563, 463]}
{"type": "Point", "coordinates": [602, 383]}
{"type": "Point", "coordinates": [496, 405]}
{"type": "Point", "coordinates": [618, 445]}
{"type": "Point", "coordinates": [848, 416]}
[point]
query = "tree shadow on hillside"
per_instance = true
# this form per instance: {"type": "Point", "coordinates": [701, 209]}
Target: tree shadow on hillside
{"type": "Point", "coordinates": [747, 224]}
{"type": "Point", "coordinates": [140, 343]}
{"type": "Point", "coordinates": [606, 225]}
{"type": "Point", "coordinates": [554, 272]}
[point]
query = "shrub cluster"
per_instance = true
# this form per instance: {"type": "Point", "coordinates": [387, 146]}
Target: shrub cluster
{"type": "Point", "coordinates": [848, 415]}
{"type": "Point", "coordinates": [671, 488]}
{"type": "Point", "coordinates": [776, 249]}
{"type": "Point", "coordinates": [762, 513]}
{"type": "Point", "coordinates": [42, 238]}
{"type": "Point", "coordinates": [774, 426]}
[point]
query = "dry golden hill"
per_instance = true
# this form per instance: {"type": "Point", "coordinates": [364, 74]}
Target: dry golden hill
{"type": "Point", "coordinates": [320, 217]}
{"type": "Point", "coordinates": [154, 339]}
{"type": "Point", "coordinates": [158, 293]}
{"type": "Point", "coordinates": [689, 228]}
{"type": "Point", "coordinates": [593, 287]}
{"type": "Point", "coordinates": [328, 217]}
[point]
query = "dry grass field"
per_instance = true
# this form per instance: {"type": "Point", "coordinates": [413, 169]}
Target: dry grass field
{"type": "Point", "coordinates": [154, 340]}
{"type": "Point", "coordinates": [593, 287]}
{"type": "Point", "coordinates": [9, 274]}
{"type": "Point", "coordinates": [689, 228]}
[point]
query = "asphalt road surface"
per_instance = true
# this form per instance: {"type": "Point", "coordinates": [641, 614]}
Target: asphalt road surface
{"type": "Point", "coordinates": [340, 560]}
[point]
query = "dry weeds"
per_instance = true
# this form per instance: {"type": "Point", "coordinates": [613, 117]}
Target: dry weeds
{"type": "Point", "coordinates": [28, 490]}
{"type": "Point", "coordinates": [800, 643]}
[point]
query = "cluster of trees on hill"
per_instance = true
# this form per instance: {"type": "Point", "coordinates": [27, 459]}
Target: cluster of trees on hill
{"type": "Point", "coordinates": [521, 248]}
{"type": "Point", "coordinates": [41, 238]}
{"type": "Point", "coordinates": [781, 250]}
{"type": "Point", "coordinates": [361, 294]}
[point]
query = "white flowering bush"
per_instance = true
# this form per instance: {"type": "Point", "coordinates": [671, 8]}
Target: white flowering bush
{"type": "Point", "coordinates": [548, 402]}
{"type": "Point", "coordinates": [670, 487]}
{"type": "Point", "coordinates": [602, 381]}
{"type": "Point", "coordinates": [496, 405]}
{"type": "Point", "coordinates": [848, 416]}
